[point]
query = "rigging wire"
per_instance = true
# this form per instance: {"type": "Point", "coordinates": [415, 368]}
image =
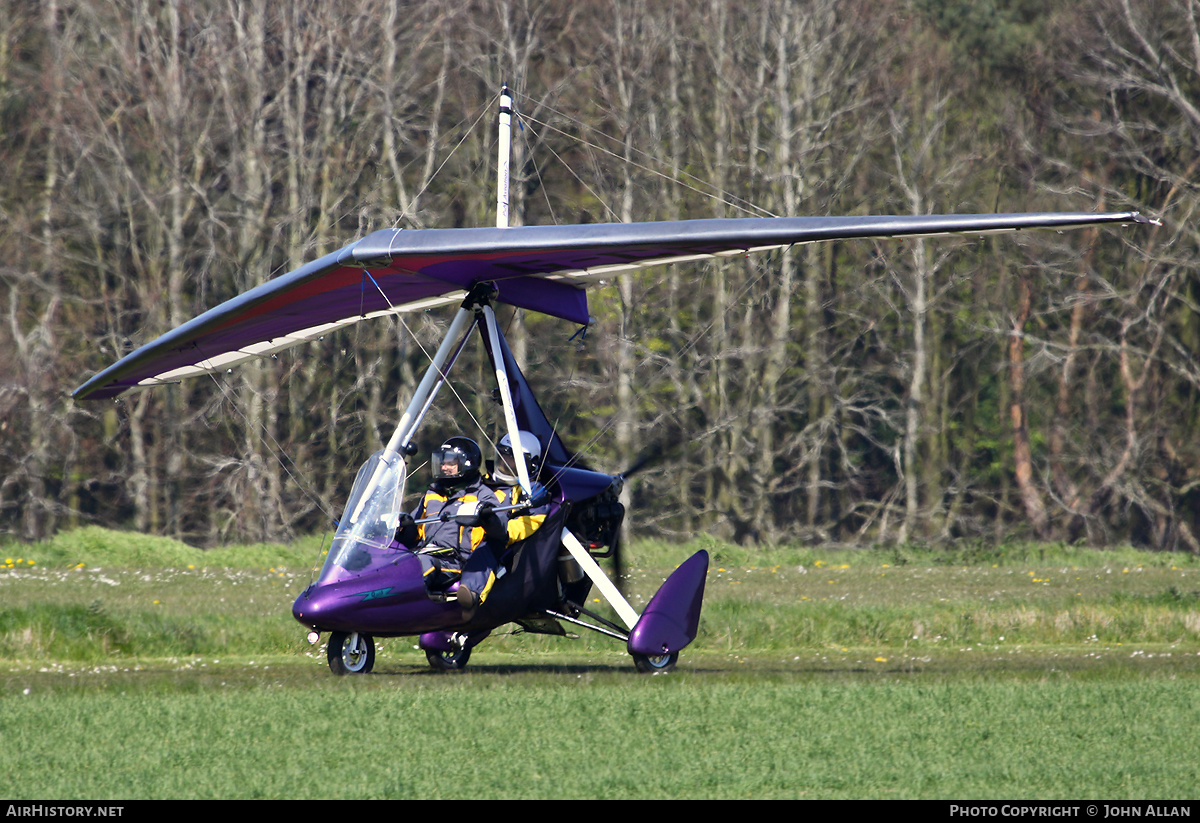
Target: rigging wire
{"type": "Point", "coordinates": [444, 375]}
{"type": "Point", "coordinates": [443, 138]}
{"type": "Point", "coordinates": [273, 447]}
{"type": "Point", "coordinates": [690, 344]}
{"type": "Point", "coordinates": [483, 110]}
{"type": "Point", "coordinates": [692, 183]}
{"type": "Point", "coordinates": [711, 193]}
{"type": "Point", "coordinates": [527, 122]}
{"type": "Point", "coordinates": [529, 153]}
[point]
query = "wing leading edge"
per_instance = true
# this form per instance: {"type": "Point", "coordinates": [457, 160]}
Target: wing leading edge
{"type": "Point", "coordinates": [542, 268]}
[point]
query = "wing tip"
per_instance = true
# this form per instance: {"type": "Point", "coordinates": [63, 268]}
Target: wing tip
{"type": "Point", "coordinates": [101, 392]}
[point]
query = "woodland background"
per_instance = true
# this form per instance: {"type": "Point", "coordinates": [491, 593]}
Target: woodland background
{"type": "Point", "coordinates": [159, 157]}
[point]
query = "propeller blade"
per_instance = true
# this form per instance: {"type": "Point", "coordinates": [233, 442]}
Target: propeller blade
{"type": "Point", "coordinates": [648, 459]}
{"type": "Point", "coordinates": [618, 565]}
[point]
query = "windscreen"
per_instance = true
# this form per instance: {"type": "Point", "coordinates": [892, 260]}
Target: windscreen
{"type": "Point", "coordinates": [368, 525]}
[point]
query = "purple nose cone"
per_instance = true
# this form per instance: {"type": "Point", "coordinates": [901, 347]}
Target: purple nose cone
{"type": "Point", "coordinates": [371, 603]}
{"type": "Point", "coordinates": [300, 609]}
{"type": "Point", "coordinates": [386, 601]}
{"type": "Point", "coordinates": [360, 602]}
{"type": "Point", "coordinates": [672, 617]}
{"type": "Point", "coordinates": [328, 607]}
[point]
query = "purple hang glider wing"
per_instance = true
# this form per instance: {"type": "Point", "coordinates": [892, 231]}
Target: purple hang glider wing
{"type": "Point", "coordinates": [542, 268]}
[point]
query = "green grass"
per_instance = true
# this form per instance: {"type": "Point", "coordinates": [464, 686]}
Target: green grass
{"type": "Point", "coordinates": [1027, 672]}
{"type": "Point", "coordinates": [95, 546]}
{"type": "Point", "coordinates": [602, 734]}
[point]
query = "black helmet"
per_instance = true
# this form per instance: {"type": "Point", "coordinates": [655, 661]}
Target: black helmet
{"type": "Point", "coordinates": [456, 462]}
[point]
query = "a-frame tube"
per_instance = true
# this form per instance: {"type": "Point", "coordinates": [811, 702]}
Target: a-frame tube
{"type": "Point", "coordinates": [510, 413]}
{"type": "Point", "coordinates": [407, 425]}
{"type": "Point", "coordinates": [589, 565]}
{"type": "Point", "coordinates": [441, 380]}
{"type": "Point", "coordinates": [429, 384]}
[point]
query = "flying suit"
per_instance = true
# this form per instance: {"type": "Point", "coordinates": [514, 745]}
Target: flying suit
{"type": "Point", "coordinates": [525, 522]}
{"type": "Point", "coordinates": [468, 552]}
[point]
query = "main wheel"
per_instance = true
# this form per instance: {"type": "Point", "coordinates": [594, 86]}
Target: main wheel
{"type": "Point", "coordinates": [448, 661]}
{"type": "Point", "coordinates": [351, 653]}
{"type": "Point", "coordinates": [648, 663]}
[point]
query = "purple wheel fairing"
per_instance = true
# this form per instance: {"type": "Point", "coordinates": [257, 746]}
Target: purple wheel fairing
{"type": "Point", "coordinates": [672, 617]}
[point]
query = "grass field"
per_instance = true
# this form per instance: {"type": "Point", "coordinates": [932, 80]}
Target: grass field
{"type": "Point", "coordinates": [134, 667]}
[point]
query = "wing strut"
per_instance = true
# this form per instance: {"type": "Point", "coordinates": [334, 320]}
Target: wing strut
{"type": "Point", "coordinates": [592, 569]}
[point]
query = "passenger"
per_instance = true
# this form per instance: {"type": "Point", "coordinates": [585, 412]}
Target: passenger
{"type": "Point", "coordinates": [509, 492]}
{"type": "Point", "coordinates": [466, 539]}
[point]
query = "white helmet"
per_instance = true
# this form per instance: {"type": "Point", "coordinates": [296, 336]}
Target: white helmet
{"type": "Point", "coordinates": [504, 456]}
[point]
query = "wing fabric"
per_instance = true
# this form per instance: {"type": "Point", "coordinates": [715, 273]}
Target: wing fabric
{"type": "Point", "coordinates": [542, 268]}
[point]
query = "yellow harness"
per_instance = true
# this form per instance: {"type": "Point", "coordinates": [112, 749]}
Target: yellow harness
{"type": "Point", "coordinates": [518, 527]}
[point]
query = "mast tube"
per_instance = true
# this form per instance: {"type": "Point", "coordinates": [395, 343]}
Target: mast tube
{"type": "Point", "coordinates": [503, 158]}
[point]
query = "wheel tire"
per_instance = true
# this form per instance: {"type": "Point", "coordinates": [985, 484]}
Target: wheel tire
{"type": "Point", "coordinates": [345, 658]}
{"type": "Point", "coordinates": [648, 664]}
{"type": "Point", "coordinates": [448, 661]}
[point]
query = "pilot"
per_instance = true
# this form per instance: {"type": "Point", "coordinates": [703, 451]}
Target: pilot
{"type": "Point", "coordinates": [508, 490]}
{"type": "Point", "coordinates": [469, 533]}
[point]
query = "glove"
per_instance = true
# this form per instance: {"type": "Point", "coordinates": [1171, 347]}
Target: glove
{"type": "Point", "coordinates": [495, 527]}
{"type": "Point", "coordinates": [406, 529]}
{"type": "Point", "coordinates": [539, 496]}
{"type": "Point", "coordinates": [468, 514]}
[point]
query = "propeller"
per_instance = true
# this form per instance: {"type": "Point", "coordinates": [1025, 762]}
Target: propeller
{"type": "Point", "coordinates": [648, 459]}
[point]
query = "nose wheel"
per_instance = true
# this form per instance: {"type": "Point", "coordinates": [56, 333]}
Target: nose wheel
{"type": "Point", "coordinates": [351, 653]}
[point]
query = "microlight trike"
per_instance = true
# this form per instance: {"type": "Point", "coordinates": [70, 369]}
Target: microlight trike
{"type": "Point", "coordinates": [373, 586]}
